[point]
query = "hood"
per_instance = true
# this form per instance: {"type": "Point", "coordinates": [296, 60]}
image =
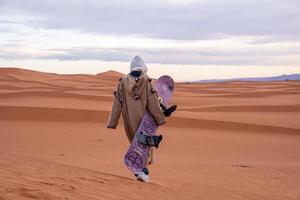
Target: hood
{"type": "Point", "coordinates": [138, 64]}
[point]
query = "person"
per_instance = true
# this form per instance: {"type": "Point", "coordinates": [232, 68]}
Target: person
{"type": "Point", "coordinates": [135, 93]}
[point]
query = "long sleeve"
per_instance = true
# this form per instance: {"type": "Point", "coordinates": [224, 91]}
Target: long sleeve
{"type": "Point", "coordinates": [116, 108]}
{"type": "Point", "coordinates": [153, 105]}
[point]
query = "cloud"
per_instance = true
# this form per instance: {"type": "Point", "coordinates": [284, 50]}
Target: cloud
{"type": "Point", "coordinates": [169, 56]}
{"type": "Point", "coordinates": [203, 32]}
{"type": "Point", "coordinates": [244, 55]}
{"type": "Point", "coordinates": [167, 19]}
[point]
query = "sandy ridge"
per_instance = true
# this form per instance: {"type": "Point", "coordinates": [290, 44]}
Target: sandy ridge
{"type": "Point", "coordinates": [234, 140]}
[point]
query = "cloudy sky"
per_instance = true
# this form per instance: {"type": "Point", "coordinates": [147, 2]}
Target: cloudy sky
{"type": "Point", "coordinates": [190, 40]}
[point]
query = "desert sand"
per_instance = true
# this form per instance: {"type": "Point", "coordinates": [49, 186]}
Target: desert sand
{"type": "Point", "coordinates": [233, 140]}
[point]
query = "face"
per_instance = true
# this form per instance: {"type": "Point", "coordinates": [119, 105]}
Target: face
{"type": "Point", "coordinates": [136, 73]}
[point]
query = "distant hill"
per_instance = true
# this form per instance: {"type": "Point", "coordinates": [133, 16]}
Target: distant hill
{"type": "Point", "coordinates": [283, 77]}
{"type": "Point", "coordinates": [10, 73]}
{"type": "Point", "coordinates": [110, 73]}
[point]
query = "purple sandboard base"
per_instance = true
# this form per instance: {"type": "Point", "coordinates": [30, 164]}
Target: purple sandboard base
{"type": "Point", "coordinates": [137, 154]}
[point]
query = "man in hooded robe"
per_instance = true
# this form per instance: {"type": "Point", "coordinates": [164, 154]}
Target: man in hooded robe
{"type": "Point", "coordinates": [136, 93]}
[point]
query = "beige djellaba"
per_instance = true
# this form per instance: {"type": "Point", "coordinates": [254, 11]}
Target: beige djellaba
{"type": "Point", "coordinates": [132, 97]}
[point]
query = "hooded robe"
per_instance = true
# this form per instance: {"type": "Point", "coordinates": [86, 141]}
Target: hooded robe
{"type": "Point", "coordinates": [132, 97]}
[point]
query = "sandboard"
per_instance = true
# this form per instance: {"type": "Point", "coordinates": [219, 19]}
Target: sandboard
{"type": "Point", "coordinates": [137, 154]}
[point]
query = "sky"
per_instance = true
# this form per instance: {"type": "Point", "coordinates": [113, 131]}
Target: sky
{"type": "Point", "coordinates": [189, 40]}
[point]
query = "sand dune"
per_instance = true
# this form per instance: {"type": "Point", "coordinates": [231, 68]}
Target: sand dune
{"type": "Point", "coordinates": [234, 140]}
{"type": "Point", "coordinates": [57, 181]}
{"type": "Point", "coordinates": [248, 108]}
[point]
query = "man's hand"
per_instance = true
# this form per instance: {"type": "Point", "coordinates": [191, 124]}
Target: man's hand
{"type": "Point", "coordinates": [168, 111]}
